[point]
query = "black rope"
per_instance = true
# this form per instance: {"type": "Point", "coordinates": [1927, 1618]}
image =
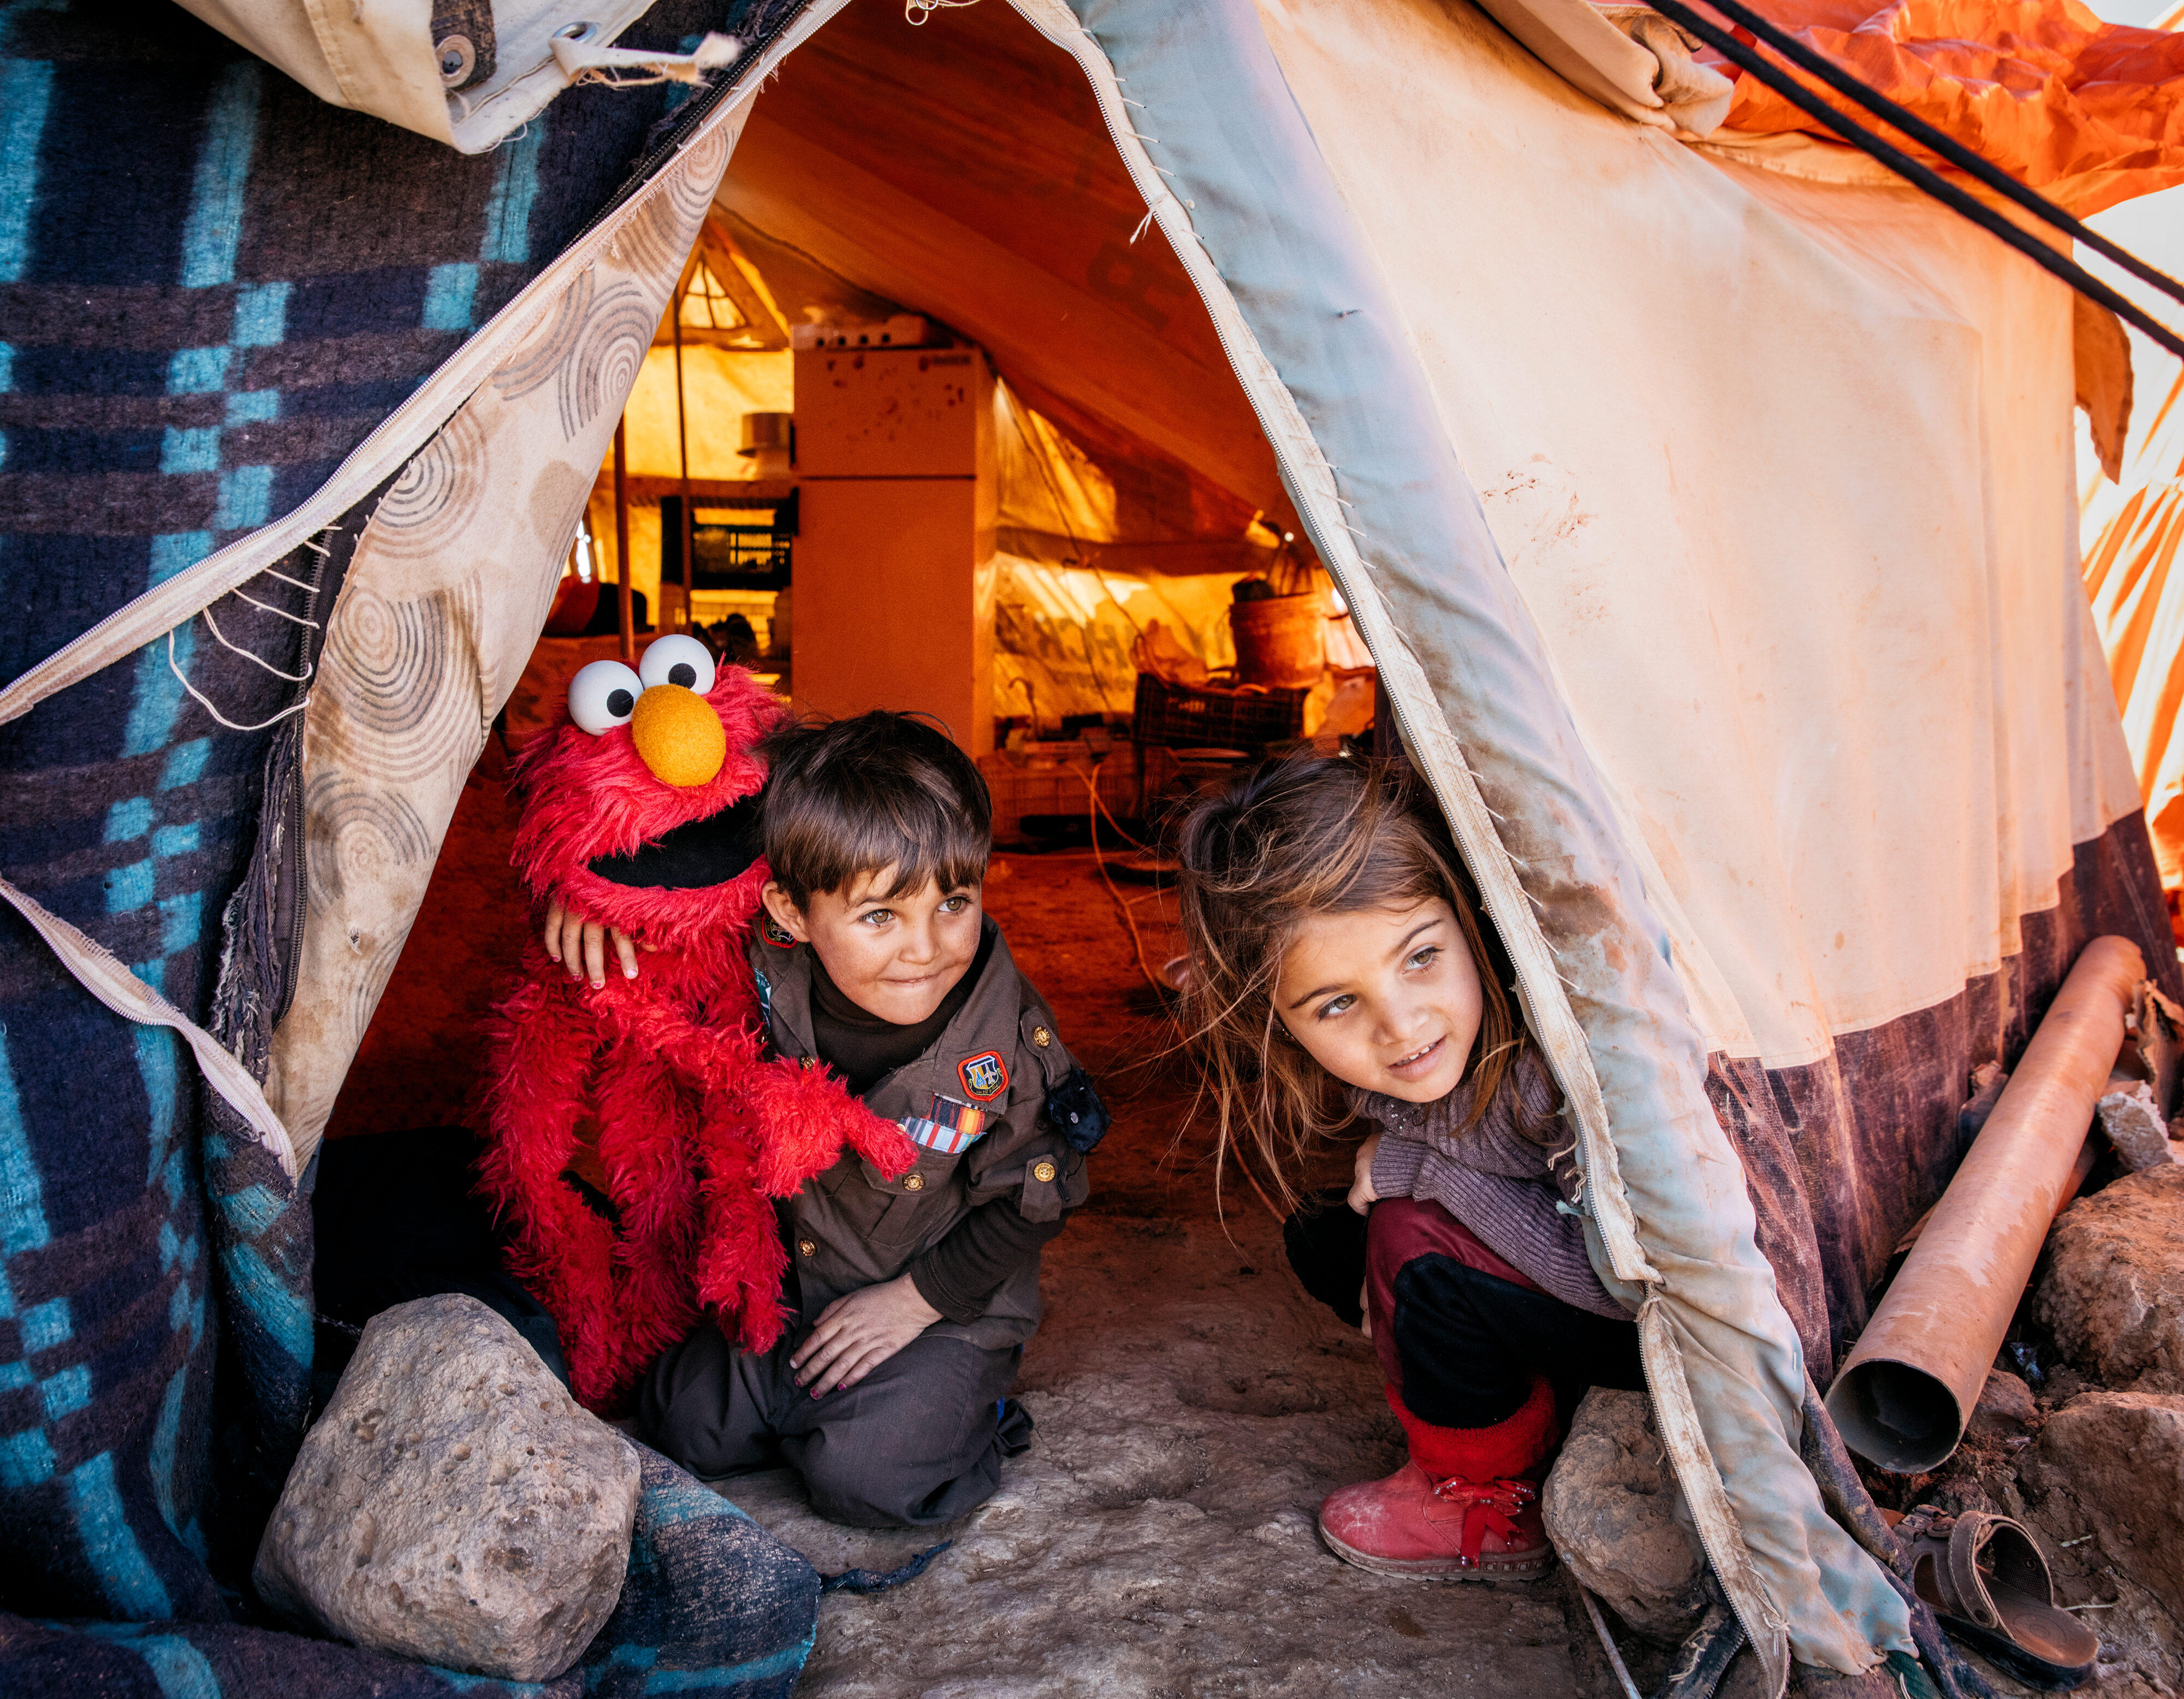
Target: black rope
{"type": "Point", "coordinates": [1924, 176]}
{"type": "Point", "coordinates": [1941, 141]}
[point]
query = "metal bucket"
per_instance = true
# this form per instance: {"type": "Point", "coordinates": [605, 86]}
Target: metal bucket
{"type": "Point", "coordinates": [1281, 642]}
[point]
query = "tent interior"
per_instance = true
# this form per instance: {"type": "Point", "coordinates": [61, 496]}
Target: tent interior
{"type": "Point", "coordinates": [1123, 480]}
{"type": "Point", "coordinates": [1188, 1392]}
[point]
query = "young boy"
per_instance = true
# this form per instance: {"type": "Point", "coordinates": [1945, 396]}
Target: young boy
{"type": "Point", "coordinates": [913, 1297]}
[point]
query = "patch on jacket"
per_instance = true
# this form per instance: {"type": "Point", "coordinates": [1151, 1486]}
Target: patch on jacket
{"type": "Point", "coordinates": [984, 1076]}
{"type": "Point", "coordinates": [773, 931]}
{"type": "Point", "coordinates": [950, 1128]}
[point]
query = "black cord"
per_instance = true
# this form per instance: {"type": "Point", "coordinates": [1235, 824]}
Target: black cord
{"type": "Point", "coordinates": [1923, 176]}
{"type": "Point", "coordinates": [1940, 142]}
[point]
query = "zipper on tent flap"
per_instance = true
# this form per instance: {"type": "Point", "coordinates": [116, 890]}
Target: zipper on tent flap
{"type": "Point", "coordinates": [288, 885]}
{"type": "Point", "coordinates": [1777, 1632]}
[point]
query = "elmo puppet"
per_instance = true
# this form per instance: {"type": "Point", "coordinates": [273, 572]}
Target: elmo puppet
{"type": "Point", "coordinates": [642, 812]}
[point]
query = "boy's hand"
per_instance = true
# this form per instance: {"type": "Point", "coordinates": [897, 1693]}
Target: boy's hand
{"type": "Point", "coordinates": [580, 945]}
{"type": "Point", "coordinates": [1363, 1197]}
{"type": "Point", "coordinates": [858, 1332]}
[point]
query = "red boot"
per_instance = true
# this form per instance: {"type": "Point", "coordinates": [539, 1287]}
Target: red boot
{"type": "Point", "coordinates": [1466, 1507]}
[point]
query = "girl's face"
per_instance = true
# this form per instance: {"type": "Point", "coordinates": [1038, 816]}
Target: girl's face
{"type": "Point", "coordinates": [1383, 998]}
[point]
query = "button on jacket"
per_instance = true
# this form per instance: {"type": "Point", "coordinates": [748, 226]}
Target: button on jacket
{"type": "Point", "coordinates": [998, 1059]}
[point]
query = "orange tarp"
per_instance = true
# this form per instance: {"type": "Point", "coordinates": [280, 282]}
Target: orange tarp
{"type": "Point", "coordinates": [2138, 594]}
{"type": "Point", "coordinates": [2087, 112]}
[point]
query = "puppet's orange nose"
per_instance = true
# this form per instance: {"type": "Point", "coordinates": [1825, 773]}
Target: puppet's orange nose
{"type": "Point", "coordinates": [678, 734]}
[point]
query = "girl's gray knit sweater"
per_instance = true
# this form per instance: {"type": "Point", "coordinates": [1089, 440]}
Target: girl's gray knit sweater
{"type": "Point", "coordinates": [1520, 1199]}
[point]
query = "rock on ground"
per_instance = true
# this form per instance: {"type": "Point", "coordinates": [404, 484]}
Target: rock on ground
{"type": "Point", "coordinates": [2005, 1410]}
{"type": "Point", "coordinates": [454, 1504]}
{"type": "Point", "coordinates": [1610, 1509]}
{"type": "Point", "coordinates": [2114, 1292]}
{"type": "Point", "coordinates": [2119, 1456]}
{"type": "Point", "coordinates": [2136, 1127]}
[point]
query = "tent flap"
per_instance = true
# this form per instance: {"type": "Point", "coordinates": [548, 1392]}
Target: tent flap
{"type": "Point", "coordinates": [1247, 195]}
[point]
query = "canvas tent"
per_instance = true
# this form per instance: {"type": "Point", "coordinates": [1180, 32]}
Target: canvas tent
{"type": "Point", "coordinates": [1705, 506]}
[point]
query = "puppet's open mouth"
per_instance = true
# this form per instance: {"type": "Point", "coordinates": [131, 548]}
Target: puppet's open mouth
{"type": "Point", "coordinates": [693, 855]}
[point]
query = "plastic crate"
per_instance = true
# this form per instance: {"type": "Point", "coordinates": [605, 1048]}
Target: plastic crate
{"type": "Point", "coordinates": [1177, 717]}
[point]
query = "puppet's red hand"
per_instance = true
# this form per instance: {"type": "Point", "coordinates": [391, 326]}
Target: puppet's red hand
{"type": "Point", "coordinates": [802, 1116]}
{"type": "Point", "coordinates": [859, 1332]}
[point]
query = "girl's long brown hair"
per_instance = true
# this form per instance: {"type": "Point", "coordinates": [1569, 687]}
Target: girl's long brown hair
{"type": "Point", "coordinates": [1308, 836]}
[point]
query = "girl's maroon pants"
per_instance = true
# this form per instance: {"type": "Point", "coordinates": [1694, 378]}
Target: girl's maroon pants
{"type": "Point", "coordinates": [1462, 1335]}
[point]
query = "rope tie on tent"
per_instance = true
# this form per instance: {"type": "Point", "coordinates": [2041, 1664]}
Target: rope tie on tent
{"type": "Point", "coordinates": [1735, 50]}
{"type": "Point", "coordinates": [256, 660]}
{"type": "Point", "coordinates": [917, 11]}
{"type": "Point", "coordinates": [580, 61]}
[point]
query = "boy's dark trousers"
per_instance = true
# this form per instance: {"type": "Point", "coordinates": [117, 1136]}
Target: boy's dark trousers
{"type": "Point", "coordinates": [918, 1440]}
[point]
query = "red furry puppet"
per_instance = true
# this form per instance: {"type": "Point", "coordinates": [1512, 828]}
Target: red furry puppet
{"type": "Point", "coordinates": [642, 813]}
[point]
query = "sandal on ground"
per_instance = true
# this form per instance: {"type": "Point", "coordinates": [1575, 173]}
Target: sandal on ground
{"type": "Point", "coordinates": [1989, 1584]}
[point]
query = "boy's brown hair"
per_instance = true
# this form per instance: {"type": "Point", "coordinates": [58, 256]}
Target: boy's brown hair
{"type": "Point", "coordinates": [860, 796]}
{"type": "Point", "coordinates": [1298, 837]}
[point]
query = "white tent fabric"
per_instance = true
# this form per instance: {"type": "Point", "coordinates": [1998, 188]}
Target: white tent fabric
{"type": "Point", "coordinates": [1858, 720]}
{"type": "Point", "coordinates": [380, 57]}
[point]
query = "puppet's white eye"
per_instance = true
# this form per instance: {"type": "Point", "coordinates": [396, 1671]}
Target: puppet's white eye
{"type": "Point", "coordinates": [603, 695]}
{"type": "Point", "coordinates": [678, 660]}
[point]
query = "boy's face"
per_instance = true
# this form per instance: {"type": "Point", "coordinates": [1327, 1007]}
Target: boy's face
{"type": "Point", "coordinates": [893, 956]}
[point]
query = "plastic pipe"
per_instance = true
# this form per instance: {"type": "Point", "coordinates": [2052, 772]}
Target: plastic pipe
{"type": "Point", "coordinates": [1909, 1386]}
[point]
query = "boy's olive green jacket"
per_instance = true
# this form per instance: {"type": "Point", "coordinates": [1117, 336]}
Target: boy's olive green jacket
{"type": "Point", "coordinates": [850, 1226]}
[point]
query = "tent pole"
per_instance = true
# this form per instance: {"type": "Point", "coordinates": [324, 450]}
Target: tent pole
{"type": "Point", "coordinates": [683, 448]}
{"type": "Point", "coordinates": [622, 589]}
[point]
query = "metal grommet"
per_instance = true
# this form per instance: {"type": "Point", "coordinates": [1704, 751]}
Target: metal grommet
{"type": "Point", "coordinates": [574, 32]}
{"type": "Point", "coordinates": [1042, 1172]}
{"type": "Point", "coordinates": [1041, 1037]}
{"type": "Point", "coordinates": [807, 1248]}
{"type": "Point", "coordinates": [915, 1184]}
{"type": "Point", "coordinates": [458, 58]}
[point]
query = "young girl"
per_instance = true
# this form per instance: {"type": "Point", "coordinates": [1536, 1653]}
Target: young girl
{"type": "Point", "coordinates": [1339, 969]}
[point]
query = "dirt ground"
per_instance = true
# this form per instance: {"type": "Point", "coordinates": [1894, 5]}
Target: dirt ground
{"type": "Point", "coordinates": [1193, 1405]}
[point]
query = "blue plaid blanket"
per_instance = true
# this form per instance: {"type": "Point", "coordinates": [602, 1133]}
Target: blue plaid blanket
{"type": "Point", "coordinates": [212, 287]}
